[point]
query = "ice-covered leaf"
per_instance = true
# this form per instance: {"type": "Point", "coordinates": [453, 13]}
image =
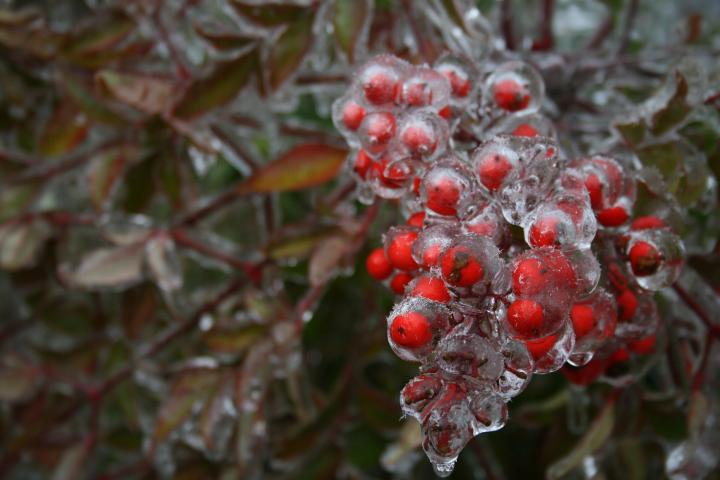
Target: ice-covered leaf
{"type": "Point", "coordinates": [632, 130]}
{"type": "Point", "coordinates": [269, 13]}
{"type": "Point", "coordinates": [22, 242]}
{"type": "Point", "coordinates": [213, 422]}
{"type": "Point", "coordinates": [224, 40]}
{"type": "Point", "coordinates": [304, 166]}
{"type": "Point", "coordinates": [232, 340]}
{"type": "Point", "coordinates": [64, 130]}
{"type": "Point", "coordinates": [17, 382]}
{"type": "Point", "coordinates": [103, 175]}
{"type": "Point", "coordinates": [71, 463]}
{"type": "Point", "coordinates": [16, 198]}
{"type": "Point", "coordinates": [109, 268]}
{"type": "Point", "coordinates": [152, 95]}
{"type": "Point", "coordinates": [82, 95]}
{"type": "Point", "coordinates": [594, 438]}
{"type": "Point", "coordinates": [191, 388]}
{"type": "Point", "coordinates": [673, 109]}
{"type": "Point", "coordinates": [288, 50]}
{"type": "Point", "coordinates": [102, 33]}
{"type": "Point", "coordinates": [351, 21]}
{"type": "Point", "coordinates": [164, 263]}
{"type": "Point", "coordinates": [327, 258]}
{"type": "Point", "coordinates": [220, 87]}
{"type": "Point", "coordinates": [297, 245]}
{"type": "Point", "coordinates": [138, 308]}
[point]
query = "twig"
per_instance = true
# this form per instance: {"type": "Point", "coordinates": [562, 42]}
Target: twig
{"type": "Point", "coordinates": [627, 27]}
{"type": "Point", "coordinates": [180, 66]}
{"type": "Point", "coordinates": [182, 239]}
{"type": "Point", "coordinates": [506, 24]}
{"type": "Point", "coordinates": [546, 39]}
{"type": "Point", "coordinates": [712, 327]}
{"type": "Point", "coordinates": [424, 48]}
{"type": "Point", "coordinates": [602, 33]}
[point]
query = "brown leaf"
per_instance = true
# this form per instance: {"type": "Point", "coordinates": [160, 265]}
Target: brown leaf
{"type": "Point", "coordinates": [232, 340]}
{"type": "Point", "coordinates": [138, 308]}
{"type": "Point", "coordinates": [100, 34]}
{"type": "Point", "coordinates": [65, 129]}
{"type": "Point", "coordinates": [270, 14]}
{"type": "Point", "coordinates": [289, 49]}
{"type": "Point", "coordinates": [109, 267]}
{"type": "Point", "coordinates": [148, 94]}
{"type": "Point", "coordinates": [103, 174]}
{"type": "Point", "coordinates": [21, 243]}
{"type": "Point", "coordinates": [304, 166]}
{"type": "Point", "coordinates": [327, 257]}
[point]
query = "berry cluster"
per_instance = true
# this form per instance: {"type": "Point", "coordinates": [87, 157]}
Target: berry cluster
{"type": "Point", "coordinates": [515, 260]}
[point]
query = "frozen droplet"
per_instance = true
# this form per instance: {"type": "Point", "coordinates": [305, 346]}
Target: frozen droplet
{"type": "Point", "coordinates": [655, 256]}
{"type": "Point", "coordinates": [514, 87]}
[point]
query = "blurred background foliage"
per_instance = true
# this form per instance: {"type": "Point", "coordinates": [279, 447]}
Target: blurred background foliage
{"type": "Point", "coordinates": [182, 290]}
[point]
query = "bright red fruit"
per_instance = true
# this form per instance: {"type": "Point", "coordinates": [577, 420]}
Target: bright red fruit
{"type": "Point", "coordinates": [583, 319]}
{"type": "Point", "coordinates": [416, 219]}
{"type": "Point", "coordinates": [378, 265]}
{"type": "Point", "coordinates": [645, 259]}
{"type": "Point", "coordinates": [646, 223]}
{"type": "Point", "coordinates": [419, 138]}
{"type": "Point", "coordinates": [380, 87]}
{"type": "Point", "coordinates": [529, 277]}
{"type": "Point", "coordinates": [353, 115]}
{"type": "Point", "coordinates": [363, 162]}
{"type": "Point", "coordinates": [594, 186]}
{"type": "Point", "coordinates": [431, 288]}
{"type": "Point", "coordinates": [399, 282]}
{"type": "Point", "coordinates": [380, 127]}
{"type": "Point", "coordinates": [443, 194]}
{"type": "Point", "coordinates": [538, 348]}
{"type": "Point", "coordinates": [525, 130]}
{"type": "Point", "coordinates": [459, 81]}
{"type": "Point", "coordinates": [526, 317]}
{"type": "Point", "coordinates": [493, 169]}
{"type": "Point", "coordinates": [460, 267]}
{"type": "Point", "coordinates": [644, 345]}
{"type": "Point", "coordinates": [627, 304]}
{"type": "Point", "coordinates": [613, 216]}
{"type": "Point", "coordinates": [400, 251]}
{"type": "Point", "coordinates": [544, 232]}
{"type": "Point", "coordinates": [511, 95]}
{"type": "Point", "coordinates": [410, 330]}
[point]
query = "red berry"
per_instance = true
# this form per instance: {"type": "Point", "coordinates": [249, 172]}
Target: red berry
{"type": "Point", "coordinates": [526, 317]}
{"type": "Point", "coordinates": [353, 115]}
{"type": "Point", "coordinates": [419, 138]}
{"type": "Point", "coordinates": [431, 288]}
{"type": "Point", "coordinates": [442, 193]}
{"type": "Point", "coordinates": [431, 255]}
{"type": "Point", "coordinates": [529, 277]}
{"type": "Point", "coordinates": [544, 232]}
{"type": "Point", "coordinates": [644, 345]}
{"type": "Point", "coordinates": [525, 130]}
{"type": "Point", "coordinates": [380, 86]}
{"type": "Point", "coordinates": [445, 112]}
{"type": "Point", "coordinates": [511, 95]}
{"type": "Point", "coordinates": [416, 219]}
{"type": "Point", "coordinates": [363, 162]}
{"type": "Point", "coordinates": [410, 330]}
{"type": "Point", "coordinates": [380, 128]}
{"type": "Point", "coordinates": [646, 223]}
{"type": "Point", "coordinates": [595, 190]}
{"type": "Point", "coordinates": [586, 374]}
{"type": "Point", "coordinates": [627, 305]}
{"type": "Point", "coordinates": [460, 267]}
{"type": "Point", "coordinates": [493, 169]}
{"type": "Point", "coordinates": [421, 389]}
{"type": "Point", "coordinates": [620, 355]}
{"type": "Point", "coordinates": [538, 348]}
{"type": "Point", "coordinates": [400, 251]}
{"type": "Point", "coordinates": [399, 282]}
{"type": "Point", "coordinates": [459, 81]}
{"type": "Point", "coordinates": [378, 265]}
{"type": "Point", "coordinates": [583, 319]}
{"type": "Point", "coordinates": [645, 259]}
{"type": "Point", "coordinates": [613, 216]}
{"type": "Point", "coordinates": [417, 93]}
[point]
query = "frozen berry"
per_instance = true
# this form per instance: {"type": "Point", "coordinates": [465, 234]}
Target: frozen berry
{"type": "Point", "coordinates": [399, 251]}
{"type": "Point", "coordinates": [583, 319]}
{"type": "Point", "coordinates": [546, 231]}
{"type": "Point", "coordinates": [613, 216]}
{"type": "Point", "coordinates": [363, 162]}
{"type": "Point", "coordinates": [525, 130]}
{"type": "Point", "coordinates": [459, 80]}
{"type": "Point", "coordinates": [593, 185]}
{"type": "Point", "coordinates": [511, 95]}
{"type": "Point", "coordinates": [419, 138]}
{"type": "Point", "coordinates": [378, 265]}
{"type": "Point", "coordinates": [526, 317]}
{"type": "Point", "coordinates": [586, 374]}
{"type": "Point", "coordinates": [645, 259]}
{"type": "Point", "coordinates": [529, 277]}
{"type": "Point", "coordinates": [416, 219]}
{"type": "Point", "coordinates": [644, 345]}
{"type": "Point", "coordinates": [442, 190]}
{"type": "Point", "coordinates": [399, 282]}
{"type": "Point", "coordinates": [460, 267]}
{"type": "Point", "coordinates": [380, 128]}
{"type": "Point", "coordinates": [431, 255]}
{"type": "Point", "coordinates": [646, 223]}
{"type": "Point", "coordinates": [353, 115]}
{"type": "Point", "coordinates": [627, 304]}
{"type": "Point", "coordinates": [538, 348]}
{"type": "Point", "coordinates": [431, 288]}
{"type": "Point", "coordinates": [410, 330]}
{"type": "Point", "coordinates": [417, 93]}
{"type": "Point", "coordinates": [380, 85]}
{"type": "Point", "coordinates": [493, 169]}
{"type": "Point", "coordinates": [445, 112]}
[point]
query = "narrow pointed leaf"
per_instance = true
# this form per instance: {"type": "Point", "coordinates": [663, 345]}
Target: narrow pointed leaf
{"type": "Point", "coordinates": [302, 167]}
{"type": "Point", "coordinates": [65, 129]}
{"type": "Point", "coordinates": [99, 35]}
{"type": "Point", "coordinates": [21, 243]}
{"type": "Point", "coordinates": [351, 20]}
{"type": "Point", "coordinates": [109, 267]}
{"type": "Point", "coordinates": [83, 97]}
{"type": "Point", "coordinates": [103, 175]}
{"type": "Point", "coordinates": [147, 94]}
{"type": "Point", "coordinates": [288, 51]}
{"type": "Point", "coordinates": [269, 13]}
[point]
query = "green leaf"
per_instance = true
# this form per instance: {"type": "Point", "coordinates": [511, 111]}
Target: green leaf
{"type": "Point", "coordinates": [674, 110]}
{"type": "Point", "coordinates": [232, 340]}
{"type": "Point", "coordinates": [224, 41]}
{"type": "Point", "coordinates": [100, 34]}
{"type": "Point", "coordinates": [351, 20]}
{"type": "Point", "coordinates": [82, 95]}
{"type": "Point", "coordinates": [596, 436]}
{"type": "Point", "coordinates": [632, 131]}
{"type": "Point", "coordinates": [666, 157]}
{"type": "Point", "coordinates": [147, 94]}
{"type": "Point", "coordinates": [22, 242]}
{"type": "Point", "coordinates": [288, 51]}
{"type": "Point", "coordinates": [16, 198]}
{"type": "Point", "coordinates": [138, 308]}
{"type": "Point", "coordinates": [270, 13]}
{"type": "Point", "coordinates": [192, 387]}
{"type": "Point", "coordinates": [304, 166]}
{"type": "Point", "coordinates": [109, 268]}
{"type": "Point", "coordinates": [65, 129]}
{"type": "Point", "coordinates": [219, 88]}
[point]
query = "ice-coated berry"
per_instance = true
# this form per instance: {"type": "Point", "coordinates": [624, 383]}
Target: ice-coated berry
{"type": "Point", "coordinates": [443, 188]}
{"type": "Point", "coordinates": [353, 115]}
{"type": "Point", "coordinates": [432, 288]}
{"type": "Point", "coordinates": [526, 317]}
{"type": "Point", "coordinates": [380, 84]}
{"type": "Point", "coordinates": [511, 94]}
{"type": "Point", "coordinates": [399, 250]}
{"type": "Point", "coordinates": [540, 347]}
{"type": "Point", "coordinates": [377, 129]}
{"type": "Point", "coordinates": [460, 267]}
{"type": "Point", "coordinates": [410, 330]}
{"type": "Point", "coordinates": [362, 163]}
{"type": "Point", "coordinates": [525, 130]}
{"type": "Point", "coordinates": [378, 265]}
{"type": "Point", "coordinates": [646, 223]}
{"type": "Point", "coordinates": [613, 216]}
{"type": "Point", "coordinates": [627, 303]}
{"type": "Point", "coordinates": [399, 282]}
{"type": "Point", "coordinates": [583, 319]}
{"type": "Point", "coordinates": [645, 259]}
{"type": "Point", "coordinates": [416, 219]}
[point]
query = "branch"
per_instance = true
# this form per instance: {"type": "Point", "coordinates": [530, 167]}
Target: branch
{"type": "Point", "coordinates": [506, 24]}
{"type": "Point", "coordinates": [627, 27]}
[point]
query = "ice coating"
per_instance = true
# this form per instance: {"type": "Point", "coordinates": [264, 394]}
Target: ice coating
{"type": "Point", "coordinates": [515, 260]}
